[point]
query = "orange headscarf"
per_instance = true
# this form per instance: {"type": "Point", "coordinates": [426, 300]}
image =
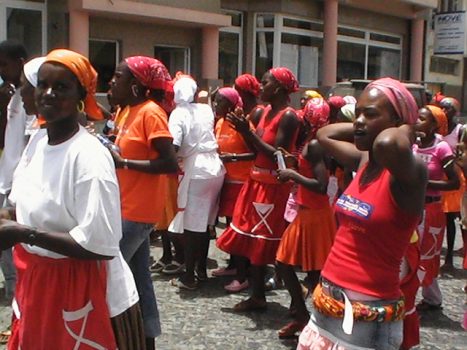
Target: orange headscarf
{"type": "Point", "coordinates": [440, 118]}
{"type": "Point", "coordinates": [86, 74]}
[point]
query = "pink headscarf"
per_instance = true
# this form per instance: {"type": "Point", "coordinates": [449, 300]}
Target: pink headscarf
{"type": "Point", "coordinates": [400, 98]}
{"type": "Point", "coordinates": [316, 112]}
{"type": "Point", "coordinates": [248, 83]}
{"type": "Point", "coordinates": [232, 95]}
{"type": "Point", "coordinates": [336, 102]}
{"type": "Point", "coordinates": [286, 78]}
{"type": "Point", "coordinates": [150, 72]}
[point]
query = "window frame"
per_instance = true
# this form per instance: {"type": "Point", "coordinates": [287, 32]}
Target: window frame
{"type": "Point", "coordinates": [239, 31]}
{"type": "Point", "coordinates": [187, 60]}
{"type": "Point", "coordinates": [117, 56]}
{"type": "Point", "coordinates": [24, 5]}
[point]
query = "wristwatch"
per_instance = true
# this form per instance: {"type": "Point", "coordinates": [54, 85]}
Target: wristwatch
{"type": "Point", "coordinates": [125, 164]}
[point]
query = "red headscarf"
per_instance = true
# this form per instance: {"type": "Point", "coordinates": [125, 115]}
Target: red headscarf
{"type": "Point", "coordinates": [231, 95]}
{"type": "Point", "coordinates": [316, 112]}
{"type": "Point", "coordinates": [248, 83]}
{"type": "Point", "coordinates": [150, 72]}
{"type": "Point", "coordinates": [437, 98]}
{"type": "Point", "coordinates": [336, 102]}
{"type": "Point", "coordinates": [440, 118]}
{"type": "Point", "coordinates": [286, 78]}
{"type": "Point", "coordinates": [400, 98]}
{"type": "Point", "coordinates": [86, 74]}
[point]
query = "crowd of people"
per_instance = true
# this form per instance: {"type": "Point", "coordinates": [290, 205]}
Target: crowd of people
{"type": "Point", "coordinates": [356, 194]}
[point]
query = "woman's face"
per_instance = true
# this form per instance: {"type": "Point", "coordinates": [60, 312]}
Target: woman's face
{"type": "Point", "coordinates": [121, 84]}
{"type": "Point", "coordinates": [27, 95]}
{"type": "Point", "coordinates": [426, 123]}
{"type": "Point", "coordinates": [269, 86]}
{"type": "Point", "coordinates": [222, 105]}
{"type": "Point", "coordinates": [58, 92]}
{"type": "Point", "coordinates": [374, 113]}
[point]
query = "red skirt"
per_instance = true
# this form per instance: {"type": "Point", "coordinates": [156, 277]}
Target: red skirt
{"type": "Point", "coordinates": [229, 195]}
{"type": "Point", "coordinates": [258, 222]}
{"type": "Point", "coordinates": [308, 239]}
{"type": "Point", "coordinates": [61, 302]}
{"type": "Point", "coordinates": [409, 287]}
{"type": "Point", "coordinates": [431, 232]}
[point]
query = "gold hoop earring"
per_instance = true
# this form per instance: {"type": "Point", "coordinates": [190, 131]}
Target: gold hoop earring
{"type": "Point", "coordinates": [80, 106]}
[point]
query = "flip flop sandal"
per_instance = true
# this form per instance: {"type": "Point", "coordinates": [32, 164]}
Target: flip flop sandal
{"type": "Point", "coordinates": [290, 330]}
{"type": "Point", "coordinates": [173, 268]}
{"type": "Point", "coordinates": [158, 266]}
{"type": "Point", "coordinates": [5, 336]}
{"type": "Point", "coordinates": [176, 282]}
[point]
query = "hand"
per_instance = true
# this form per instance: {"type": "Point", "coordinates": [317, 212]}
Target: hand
{"type": "Point", "coordinates": [6, 91]}
{"type": "Point", "coordinates": [118, 159]}
{"type": "Point", "coordinates": [286, 175]}
{"type": "Point", "coordinates": [91, 128]}
{"type": "Point", "coordinates": [226, 157]}
{"type": "Point", "coordinates": [10, 233]}
{"type": "Point", "coordinates": [238, 120]}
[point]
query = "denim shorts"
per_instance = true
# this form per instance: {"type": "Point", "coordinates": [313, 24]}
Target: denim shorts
{"type": "Point", "coordinates": [365, 335]}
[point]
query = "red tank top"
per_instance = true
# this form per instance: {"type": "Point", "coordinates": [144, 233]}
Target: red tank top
{"type": "Point", "coordinates": [306, 197]}
{"type": "Point", "coordinates": [371, 240]}
{"type": "Point", "coordinates": [267, 131]}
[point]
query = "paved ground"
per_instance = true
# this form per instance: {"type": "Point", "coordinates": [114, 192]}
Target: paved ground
{"type": "Point", "coordinates": [203, 319]}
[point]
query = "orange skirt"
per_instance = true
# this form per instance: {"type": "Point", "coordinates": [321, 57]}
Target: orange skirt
{"type": "Point", "coordinates": [170, 208]}
{"type": "Point", "coordinates": [452, 199]}
{"type": "Point", "coordinates": [308, 240]}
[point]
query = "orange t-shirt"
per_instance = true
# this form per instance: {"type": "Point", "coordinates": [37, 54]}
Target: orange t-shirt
{"type": "Point", "coordinates": [230, 141]}
{"type": "Point", "coordinates": [142, 194]}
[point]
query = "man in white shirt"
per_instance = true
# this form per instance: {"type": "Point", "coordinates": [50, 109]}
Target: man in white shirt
{"type": "Point", "coordinates": [12, 58]}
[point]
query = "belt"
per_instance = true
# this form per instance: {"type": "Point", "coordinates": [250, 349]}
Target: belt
{"type": "Point", "coordinates": [333, 301]}
{"type": "Point", "coordinates": [432, 199]}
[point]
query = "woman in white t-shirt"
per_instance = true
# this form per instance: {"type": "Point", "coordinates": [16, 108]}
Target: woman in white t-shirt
{"type": "Point", "coordinates": [74, 288]}
{"type": "Point", "coordinates": [192, 128]}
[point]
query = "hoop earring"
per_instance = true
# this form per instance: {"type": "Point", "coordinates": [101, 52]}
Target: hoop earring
{"type": "Point", "coordinates": [80, 106]}
{"type": "Point", "coordinates": [134, 90]}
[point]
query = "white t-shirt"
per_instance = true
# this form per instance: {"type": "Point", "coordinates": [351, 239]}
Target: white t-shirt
{"type": "Point", "coordinates": [192, 129]}
{"type": "Point", "coordinates": [15, 141]}
{"type": "Point", "coordinates": [72, 187]}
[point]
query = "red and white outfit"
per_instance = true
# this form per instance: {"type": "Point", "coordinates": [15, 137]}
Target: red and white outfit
{"type": "Point", "coordinates": [60, 301]}
{"type": "Point", "coordinates": [370, 243]}
{"type": "Point", "coordinates": [258, 219]}
{"type": "Point", "coordinates": [432, 228]}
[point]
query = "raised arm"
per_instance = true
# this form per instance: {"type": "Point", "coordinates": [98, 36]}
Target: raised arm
{"type": "Point", "coordinates": [337, 141]}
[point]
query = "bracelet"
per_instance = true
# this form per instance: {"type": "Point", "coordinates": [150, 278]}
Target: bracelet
{"type": "Point", "coordinates": [125, 164]}
{"type": "Point", "coordinates": [234, 157]}
{"type": "Point", "coordinates": [32, 236]}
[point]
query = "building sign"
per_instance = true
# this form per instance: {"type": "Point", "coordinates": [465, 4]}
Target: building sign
{"type": "Point", "coordinates": [450, 33]}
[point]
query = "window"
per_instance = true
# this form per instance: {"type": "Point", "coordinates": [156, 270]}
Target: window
{"type": "Point", "coordinates": [383, 62]}
{"type": "Point", "coordinates": [291, 42]}
{"type": "Point", "coordinates": [24, 21]}
{"type": "Point", "coordinates": [298, 44]}
{"type": "Point", "coordinates": [362, 54]}
{"type": "Point", "coordinates": [104, 56]}
{"type": "Point", "coordinates": [175, 58]}
{"type": "Point", "coordinates": [449, 6]}
{"type": "Point", "coordinates": [444, 65]}
{"type": "Point", "coordinates": [350, 61]}
{"type": "Point", "coordinates": [230, 49]}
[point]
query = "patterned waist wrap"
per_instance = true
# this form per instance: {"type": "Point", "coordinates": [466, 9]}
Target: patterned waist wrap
{"type": "Point", "coordinates": [333, 304]}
